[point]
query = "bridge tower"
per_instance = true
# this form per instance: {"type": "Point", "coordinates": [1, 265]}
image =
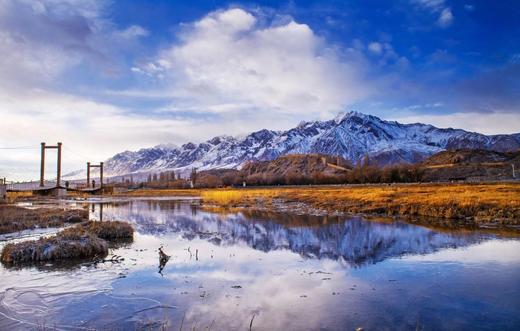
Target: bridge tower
{"type": "Point", "coordinates": [100, 166]}
{"type": "Point", "coordinates": [42, 164]}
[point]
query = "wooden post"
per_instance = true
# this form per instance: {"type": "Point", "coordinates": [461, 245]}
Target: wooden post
{"type": "Point", "coordinates": [88, 174]}
{"type": "Point", "coordinates": [101, 174]}
{"type": "Point", "coordinates": [3, 190]}
{"type": "Point", "coordinates": [42, 166]}
{"type": "Point", "coordinates": [58, 170]}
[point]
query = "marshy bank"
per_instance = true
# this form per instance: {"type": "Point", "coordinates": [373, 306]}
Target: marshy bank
{"type": "Point", "coordinates": [15, 218]}
{"type": "Point", "coordinates": [88, 240]}
{"type": "Point", "coordinates": [495, 204]}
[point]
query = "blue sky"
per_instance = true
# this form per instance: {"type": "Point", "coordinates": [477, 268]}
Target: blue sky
{"type": "Point", "coordinates": [106, 76]}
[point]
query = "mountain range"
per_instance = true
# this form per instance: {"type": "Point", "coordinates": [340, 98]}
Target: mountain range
{"type": "Point", "coordinates": [351, 135]}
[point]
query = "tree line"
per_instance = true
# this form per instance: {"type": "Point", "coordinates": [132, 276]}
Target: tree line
{"type": "Point", "coordinates": [362, 173]}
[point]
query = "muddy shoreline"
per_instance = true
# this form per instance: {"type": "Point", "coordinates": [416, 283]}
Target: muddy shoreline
{"type": "Point", "coordinates": [479, 205]}
{"type": "Point", "coordinates": [302, 209]}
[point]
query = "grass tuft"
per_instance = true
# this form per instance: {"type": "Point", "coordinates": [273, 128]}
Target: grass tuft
{"type": "Point", "coordinates": [63, 246]}
{"type": "Point", "coordinates": [85, 240]}
{"type": "Point", "coordinates": [111, 231]}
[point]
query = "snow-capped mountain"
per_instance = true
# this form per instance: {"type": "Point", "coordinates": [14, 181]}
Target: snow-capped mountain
{"type": "Point", "coordinates": [351, 135]}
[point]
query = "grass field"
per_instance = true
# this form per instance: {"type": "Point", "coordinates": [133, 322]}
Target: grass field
{"type": "Point", "coordinates": [491, 202]}
{"type": "Point", "coordinates": [480, 202]}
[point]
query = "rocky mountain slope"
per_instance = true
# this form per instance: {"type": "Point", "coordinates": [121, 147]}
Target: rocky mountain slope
{"type": "Point", "coordinates": [306, 165]}
{"type": "Point", "coordinates": [351, 135]}
{"type": "Point", "coordinates": [473, 164]}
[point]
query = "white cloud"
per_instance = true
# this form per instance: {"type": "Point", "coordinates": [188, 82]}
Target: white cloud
{"type": "Point", "coordinates": [486, 123]}
{"type": "Point", "coordinates": [133, 31]}
{"type": "Point", "coordinates": [445, 18]}
{"type": "Point", "coordinates": [229, 57]}
{"type": "Point", "coordinates": [375, 48]}
{"type": "Point", "coordinates": [434, 5]}
{"type": "Point", "coordinates": [437, 7]}
{"type": "Point", "coordinates": [92, 129]}
{"type": "Point", "coordinates": [40, 40]}
{"type": "Point", "coordinates": [469, 7]}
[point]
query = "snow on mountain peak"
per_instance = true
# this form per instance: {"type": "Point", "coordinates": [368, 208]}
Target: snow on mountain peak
{"type": "Point", "coordinates": [341, 116]}
{"type": "Point", "coordinates": [351, 135]}
{"type": "Point", "coordinates": [167, 146]}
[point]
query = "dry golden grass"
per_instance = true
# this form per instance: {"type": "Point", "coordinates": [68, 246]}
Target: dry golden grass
{"type": "Point", "coordinates": [85, 240]}
{"type": "Point", "coordinates": [481, 202]}
{"type": "Point", "coordinates": [111, 231]}
{"type": "Point", "coordinates": [66, 245]}
{"type": "Point", "coordinates": [13, 196]}
{"type": "Point", "coordinates": [234, 197]}
{"type": "Point", "coordinates": [14, 218]}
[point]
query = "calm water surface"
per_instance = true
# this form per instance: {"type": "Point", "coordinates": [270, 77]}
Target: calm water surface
{"type": "Point", "coordinates": [281, 272]}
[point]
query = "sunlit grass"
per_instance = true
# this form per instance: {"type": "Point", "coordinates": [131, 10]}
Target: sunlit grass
{"type": "Point", "coordinates": [237, 196]}
{"type": "Point", "coordinates": [445, 200]}
{"type": "Point", "coordinates": [493, 201]}
{"type": "Point", "coordinates": [13, 196]}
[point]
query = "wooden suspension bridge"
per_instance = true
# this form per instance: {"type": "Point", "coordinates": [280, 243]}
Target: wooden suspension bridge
{"type": "Point", "coordinates": [56, 187]}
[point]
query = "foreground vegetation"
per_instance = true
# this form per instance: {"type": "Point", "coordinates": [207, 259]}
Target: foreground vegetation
{"type": "Point", "coordinates": [85, 240]}
{"type": "Point", "coordinates": [15, 218]}
{"type": "Point", "coordinates": [479, 203]}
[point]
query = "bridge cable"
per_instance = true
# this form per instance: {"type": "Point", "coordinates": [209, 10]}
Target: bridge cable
{"type": "Point", "coordinates": [21, 147]}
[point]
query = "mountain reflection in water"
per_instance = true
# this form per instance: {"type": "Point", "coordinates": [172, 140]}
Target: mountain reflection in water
{"type": "Point", "coordinates": [351, 240]}
{"type": "Point", "coordinates": [285, 272]}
